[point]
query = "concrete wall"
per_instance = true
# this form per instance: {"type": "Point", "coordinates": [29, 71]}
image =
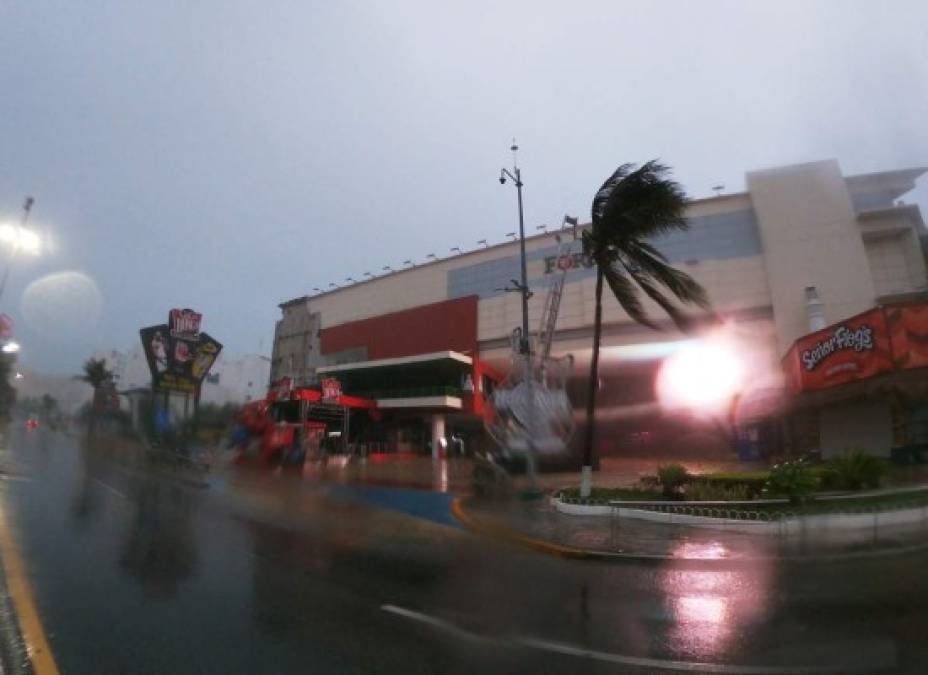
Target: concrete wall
{"type": "Point", "coordinates": [811, 237]}
{"type": "Point", "coordinates": [861, 425]}
{"type": "Point", "coordinates": [296, 343]}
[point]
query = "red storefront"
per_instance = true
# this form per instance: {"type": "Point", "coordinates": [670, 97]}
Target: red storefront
{"type": "Point", "coordinates": [862, 383]}
{"type": "Point", "coordinates": [422, 367]}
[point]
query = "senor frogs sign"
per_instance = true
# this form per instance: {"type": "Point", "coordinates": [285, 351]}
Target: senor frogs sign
{"type": "Point", "coordinates": [851, 350]}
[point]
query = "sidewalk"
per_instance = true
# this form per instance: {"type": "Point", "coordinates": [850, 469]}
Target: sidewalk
{"type": "Point", "coordinates": [537, 525]}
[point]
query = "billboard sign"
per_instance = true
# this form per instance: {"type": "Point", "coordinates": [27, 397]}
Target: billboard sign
{"type": "Point", "coordinates": [851, 350]}
{"type": "Point", "coordinates": [179, 355]}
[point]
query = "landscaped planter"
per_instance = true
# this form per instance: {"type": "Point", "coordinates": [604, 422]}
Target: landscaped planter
{"type": "Point", "coordinates": [845, 526]}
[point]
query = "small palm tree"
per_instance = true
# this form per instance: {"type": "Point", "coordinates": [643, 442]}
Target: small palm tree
{"type": "Point", "coordinates": [632, 206]}
{"type": "Point", "coordinates": [97, 375]}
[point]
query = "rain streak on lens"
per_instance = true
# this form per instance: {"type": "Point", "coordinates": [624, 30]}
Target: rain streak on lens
{"type": "Point", "coordinates": [62, 301]}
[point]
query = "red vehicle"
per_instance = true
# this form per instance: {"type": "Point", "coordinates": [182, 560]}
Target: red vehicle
{"type": "Point", "coordinates": [32, 423]}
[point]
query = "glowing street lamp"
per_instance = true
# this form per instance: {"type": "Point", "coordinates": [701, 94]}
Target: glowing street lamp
{"type": "Point", "coordinates": [19, 238]}
{"type": "Point", "coordinates": [703, 377]}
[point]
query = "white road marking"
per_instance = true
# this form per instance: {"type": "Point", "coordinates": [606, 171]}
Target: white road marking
{"type": "Point", "coordinates": [624, 660]}
{"type": "Point", "coordinates": [110, 488]}
{"type": "Point", "coordinates": [441, 624]}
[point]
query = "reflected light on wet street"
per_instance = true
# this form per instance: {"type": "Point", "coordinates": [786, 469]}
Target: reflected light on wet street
{"type": "Point", "coordinates": [703, 624]}
{"type": "Point", "coordinates": [709, 607]}
{"type": "Point", "coordinates": [440, 475]}
{"type": "Point", "coordinates": [713, 550]}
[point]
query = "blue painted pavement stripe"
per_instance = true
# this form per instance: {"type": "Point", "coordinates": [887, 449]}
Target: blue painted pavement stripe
{"type": "Point", "coordinates": [433, 506]}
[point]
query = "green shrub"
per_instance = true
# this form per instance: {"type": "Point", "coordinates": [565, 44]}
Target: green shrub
{"type": "Point", "coordinates": [792, 479]}
{"type": "Point", "coordinates": [828, 477]}
{"type": "Point", "coordinates": [857, 470]}
{"type": "Point", "coordinates": [672, 477]}
{"type": "Point", "coordinates": [752, 482]}
{"type": "Point", "coordinates": [707, 491]}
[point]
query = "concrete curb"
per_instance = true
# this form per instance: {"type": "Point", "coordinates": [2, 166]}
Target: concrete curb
{"type": "Point", "coordinates": [511, 536]}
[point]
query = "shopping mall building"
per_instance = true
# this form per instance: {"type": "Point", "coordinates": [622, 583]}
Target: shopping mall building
{"type": "Point", "coordinates": [804, 248]}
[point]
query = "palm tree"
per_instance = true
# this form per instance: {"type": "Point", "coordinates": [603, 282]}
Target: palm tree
{"type": "Point", "coordinates": [632, 206]}
{"type": "Point", "coordinates": [97, 375]}
{"type": "Point", "coordinates": [7, 392]}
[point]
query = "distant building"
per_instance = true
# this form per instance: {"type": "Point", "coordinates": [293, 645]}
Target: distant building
{"type": "Point", "coordinates": [232, 379]}
{"type": "Point", "coordinates": [236, 380]}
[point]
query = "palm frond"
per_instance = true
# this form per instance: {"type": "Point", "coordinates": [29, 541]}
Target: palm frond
{"type": "Point", "coordinates": [679, 283]}
{"type": "Point", "coordinates": [681, 320]}
{"type": "Point", "coordinates": [640, 203]}
{"type": "Point", "coordinates": [602, 196]}
{"type": "Point", "coordinates": [627, 295]}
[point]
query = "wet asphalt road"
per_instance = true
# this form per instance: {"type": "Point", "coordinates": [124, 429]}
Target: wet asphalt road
{"type": "Point", "coordinates": [141, 572]}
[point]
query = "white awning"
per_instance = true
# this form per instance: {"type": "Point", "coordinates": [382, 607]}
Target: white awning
{"type": "Point", "coordinates": [398, 361]}
{"type": "Point", "coordinates": [421, 402]}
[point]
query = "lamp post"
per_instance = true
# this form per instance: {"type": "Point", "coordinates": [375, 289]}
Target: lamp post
{"type": "Point", "coordinates": [527, 376]}
{"type": "Point", "coordinates": [27, 207]}
{"type": "Point", "coordinates": [516, 177]}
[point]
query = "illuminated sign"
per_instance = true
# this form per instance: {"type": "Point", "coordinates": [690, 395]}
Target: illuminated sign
{"type": "Point", "coordinates": [184, 323]}
{"type": "Point", "coordinates": [331, 389]}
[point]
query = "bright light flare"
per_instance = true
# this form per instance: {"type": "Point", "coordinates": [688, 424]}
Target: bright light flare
{"type": "Point", "coordinates": [10, 347]}
{"type": "Point", "coordinates": [21, 239]}
{"type": "Point", "coordinates": [703, 376]}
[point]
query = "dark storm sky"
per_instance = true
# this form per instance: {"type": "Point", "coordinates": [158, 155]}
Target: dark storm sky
{"type": "Point", "coordinates": [229, 155]}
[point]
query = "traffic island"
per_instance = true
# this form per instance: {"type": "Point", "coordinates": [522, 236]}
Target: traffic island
{"type": "Point", "coordinates": [642, 533]}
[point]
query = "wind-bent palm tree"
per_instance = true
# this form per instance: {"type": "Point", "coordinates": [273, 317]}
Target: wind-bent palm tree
{"type": "Point", "coordinates": [632, 206]}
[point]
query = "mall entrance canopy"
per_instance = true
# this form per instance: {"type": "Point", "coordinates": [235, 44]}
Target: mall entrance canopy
{"type": "Point", "coordinates": [434, 380]}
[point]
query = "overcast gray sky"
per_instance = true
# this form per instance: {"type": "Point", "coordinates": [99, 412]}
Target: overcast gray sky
{"type": "Point", "coordinates": [229, 155]}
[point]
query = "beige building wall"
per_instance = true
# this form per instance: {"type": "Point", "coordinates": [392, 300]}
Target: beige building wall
{"type": "Point", "coordinates": [810, 237]}
{"type": "Point", "coordinates": [897, 261]}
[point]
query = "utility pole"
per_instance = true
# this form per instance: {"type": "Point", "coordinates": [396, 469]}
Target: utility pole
{"type": "Point", "coordinates": [524, 349]}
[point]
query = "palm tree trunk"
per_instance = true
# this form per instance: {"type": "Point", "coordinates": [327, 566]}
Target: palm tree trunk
{"type": "Point", "coordinates": [592, 387]}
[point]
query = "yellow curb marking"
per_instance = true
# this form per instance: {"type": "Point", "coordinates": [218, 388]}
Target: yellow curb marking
{"type": "Point", "coordinates": [43, 662]}
{"type": "Point", "coordinates": [457, 510]}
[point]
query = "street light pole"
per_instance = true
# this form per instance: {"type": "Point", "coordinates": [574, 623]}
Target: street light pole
{"type": "Point", "coordinates": [524, 349]}
{"type": "Point", "coordinates": [27, 207]}
{"type": "Point", "coordinates": [516, 177]}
